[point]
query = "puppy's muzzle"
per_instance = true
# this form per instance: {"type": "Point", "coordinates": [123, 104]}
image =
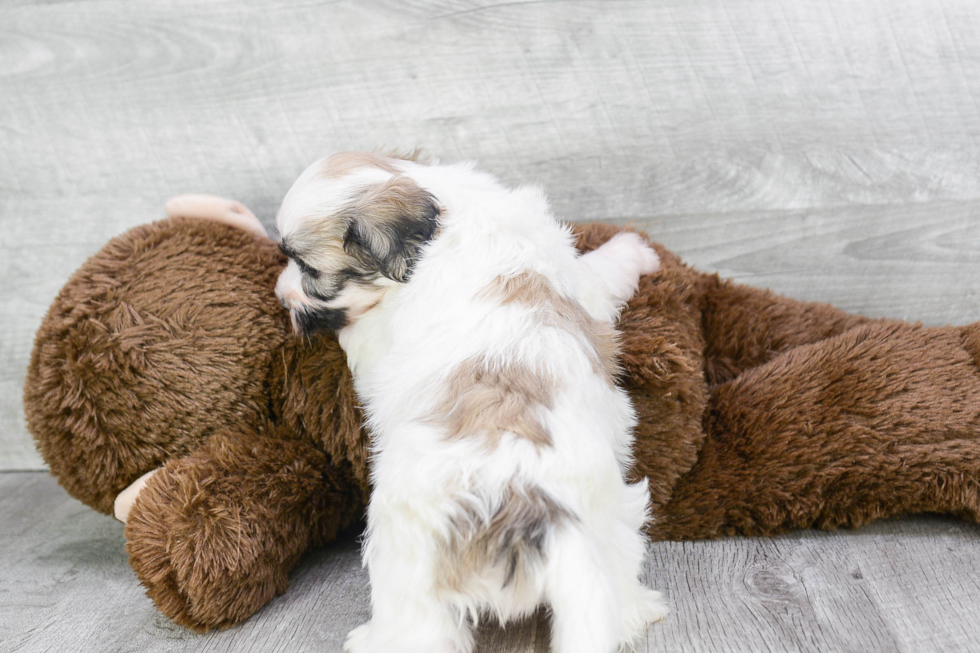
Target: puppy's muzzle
{"type": "Point", "coordinates": [307, 319]}
{"type": "Point", "coordinates": [310, 320]}
{"type": "Point", "coordinates": [305, 316]}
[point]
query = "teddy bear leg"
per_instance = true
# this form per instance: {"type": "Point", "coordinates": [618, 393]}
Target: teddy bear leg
{"type": "Point", "coordinates": [880, 421]}
{"type": "Point", "coordinates": [744, 327]}
{"type": "Point", "coordinates": [214, 535]}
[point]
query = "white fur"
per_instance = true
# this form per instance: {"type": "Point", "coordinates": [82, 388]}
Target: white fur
{"type": "Point", "coordinates": [401, 351]}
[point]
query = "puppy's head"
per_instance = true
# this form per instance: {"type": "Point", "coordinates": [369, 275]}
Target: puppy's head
{"type": "Point", "coordinates": [352, 226]}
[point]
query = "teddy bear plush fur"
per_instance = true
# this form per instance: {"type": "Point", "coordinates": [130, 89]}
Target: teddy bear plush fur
{"type": "Point", "coordinates": [758, 413]}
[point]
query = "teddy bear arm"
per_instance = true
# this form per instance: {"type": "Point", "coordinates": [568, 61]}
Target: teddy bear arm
{"type": "Point", "coordinates": [213, 535]}
{"type": "Point", "coordinates": [744, 327]}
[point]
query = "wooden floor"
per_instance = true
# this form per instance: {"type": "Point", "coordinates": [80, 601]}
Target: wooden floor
{"type": "Point", "coordinates": [908, 585]}
{"type": "Point", "coordinates": [828, 149]}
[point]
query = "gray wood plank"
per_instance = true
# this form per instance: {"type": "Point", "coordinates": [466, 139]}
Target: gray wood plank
{"type": "Point", "coordinates": [908, 585]}
{"type": "Point", "coordinates": [918, 262]}
{"type": "Point", "coordinates": [688, 106]}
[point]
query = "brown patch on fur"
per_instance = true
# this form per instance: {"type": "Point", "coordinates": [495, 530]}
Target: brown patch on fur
{"type": "Point", "coordinates": [415, 155]}
{"type": "Point", "coordinates": [344, 163]}
{"type": "Point", "coordinates": [493, 399]}
{"type": "Point", "coordinates": [388, 224]}
{"type": "Point", "coordinates": [380, 232]}
{"type": "Point", "coordinates": [387, 204]}
{"type": "Point", "coordinates": [533, 290]}
{"type": "Point", "coordinates": [513, 538]}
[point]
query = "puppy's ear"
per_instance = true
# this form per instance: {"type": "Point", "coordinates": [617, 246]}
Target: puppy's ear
{"type": "Point", "coordinates": [388, 225]}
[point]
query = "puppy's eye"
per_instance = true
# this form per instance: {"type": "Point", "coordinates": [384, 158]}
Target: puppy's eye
{"type": "Point", "coordinates": [303, 267]}
{"type": "Point", "coordinates": [307, 270]}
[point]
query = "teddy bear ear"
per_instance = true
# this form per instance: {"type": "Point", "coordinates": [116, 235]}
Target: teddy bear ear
{"type": "Point", "coordinates": [219, 209]}
{"type": "Point", "coordinates": [388, 225]}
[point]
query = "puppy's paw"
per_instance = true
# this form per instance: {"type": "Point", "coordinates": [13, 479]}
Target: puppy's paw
{"type": "Point", "coordinates": [358, 639]}
{"type": "Point", "coordinates": [649, 261]}
{"type": "Point", "coordinates": [363, 640]}
{"type": "Point", "coordinates": [649, 607]}
{"type": "Point", "coordinates": [653, 608]}
{"type": "Point", "coordinates": [631, 247]}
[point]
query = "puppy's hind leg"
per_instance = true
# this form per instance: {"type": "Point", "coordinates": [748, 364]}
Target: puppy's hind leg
{"type": "Point", "coordinates": [625, 542]}
{"type": "Point", "coordinates": [592, 579]}
{"type": "Point", "coordinates": [617, 266]}
{"type": "Point", "coordinates": [582, 591]}
{"type": "Point", "coordinates": [408, 615]}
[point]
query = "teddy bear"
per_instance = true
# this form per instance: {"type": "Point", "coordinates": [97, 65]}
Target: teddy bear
{"type": "Point", "coordinates": [166, 387]}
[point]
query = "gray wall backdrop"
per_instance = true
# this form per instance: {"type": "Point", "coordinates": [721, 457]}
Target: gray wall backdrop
{"type": "Point", "coordinates": [827, 149]}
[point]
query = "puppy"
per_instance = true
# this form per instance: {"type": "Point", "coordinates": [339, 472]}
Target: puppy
{"type": "Point", "coordinates": [482, 347]}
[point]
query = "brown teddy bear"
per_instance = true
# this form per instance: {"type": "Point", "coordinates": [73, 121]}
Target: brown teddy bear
{"type": "Point", "coordinates": [758, 413]}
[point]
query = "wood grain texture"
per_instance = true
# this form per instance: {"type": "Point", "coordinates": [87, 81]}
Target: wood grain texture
{"type": "Point", "coordinates": [918, 262]}
{"type": "Point", "coordinates": [906, 585]}
{"type": "Point", "coordinates": [893, 586]}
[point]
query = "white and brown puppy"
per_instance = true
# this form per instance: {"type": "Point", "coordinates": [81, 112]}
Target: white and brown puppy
{"type": "Point", "coordinates": [482, 347]}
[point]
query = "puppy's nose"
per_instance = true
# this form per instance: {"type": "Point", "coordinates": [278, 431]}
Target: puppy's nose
{"type": "Point", "coordinates": [289, 297]}
{"type": "Point", "coordinates": [289, 288]}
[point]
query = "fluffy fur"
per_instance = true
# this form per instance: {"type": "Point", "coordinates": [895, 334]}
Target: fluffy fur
{"type": "Point", "coordinates": [756, 413]}
{"type": "Point", "coordinates": [485, 357]}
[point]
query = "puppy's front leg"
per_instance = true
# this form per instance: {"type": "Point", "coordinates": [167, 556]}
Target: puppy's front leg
{"type": "Point", "coordinates": [615, 268]}
{"type": "Point", "coordinates": [408, 614]}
